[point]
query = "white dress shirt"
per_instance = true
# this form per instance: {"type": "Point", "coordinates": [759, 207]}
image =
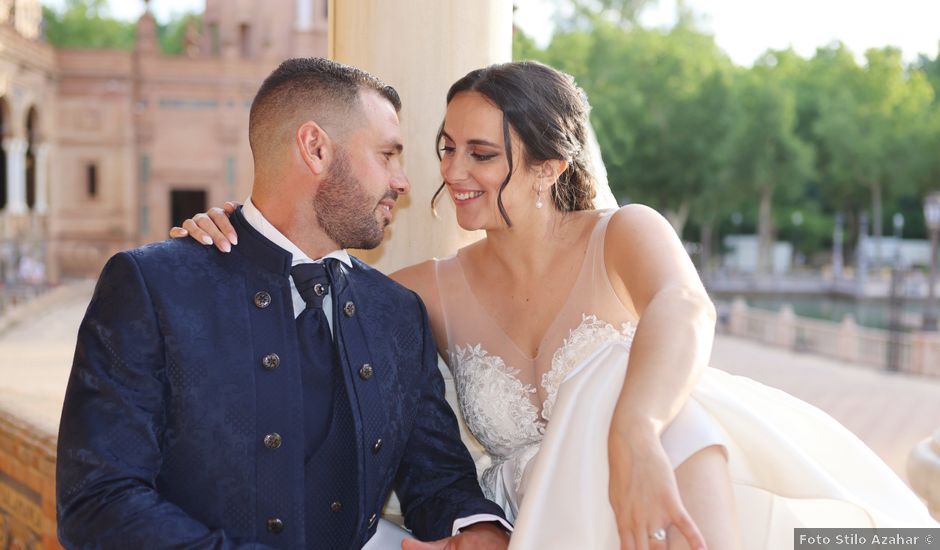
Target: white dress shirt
{"type": "Point", "coordinates": [256, 219]}
{"type": "Point", "coordinates": [390, 536]}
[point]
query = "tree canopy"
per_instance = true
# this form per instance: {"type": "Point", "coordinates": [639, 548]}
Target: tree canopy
{"type": "Point", "coordinates": [784, 146]}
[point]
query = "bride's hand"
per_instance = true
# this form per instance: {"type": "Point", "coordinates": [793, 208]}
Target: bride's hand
{"type": "Point", "coordinates": [643, 492]}
{"type": "Point", "coordinates": [211, 227]}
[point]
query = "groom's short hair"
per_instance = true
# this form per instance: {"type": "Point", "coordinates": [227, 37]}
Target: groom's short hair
{"type": "Point", "coordinates": [309, 88]}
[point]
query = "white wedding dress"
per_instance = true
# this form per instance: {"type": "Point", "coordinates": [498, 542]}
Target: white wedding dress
{"type": "Point", "coordinates": [791, 464]}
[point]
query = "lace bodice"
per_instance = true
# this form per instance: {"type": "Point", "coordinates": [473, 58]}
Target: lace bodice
{"type": "Point", "coordinates": [497, 406]}
{"type": "Point", "coordinates": [498, 386]}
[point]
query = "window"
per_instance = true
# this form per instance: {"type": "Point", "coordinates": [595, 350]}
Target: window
{"type": "Point", "coordinates": [214, 41]}
{"type": "Point", "coordinates": [91, 180]}
{"type": "Point", "coordinates": [186, 204]}
{"type": "Point", "coordinates": [244, 39]}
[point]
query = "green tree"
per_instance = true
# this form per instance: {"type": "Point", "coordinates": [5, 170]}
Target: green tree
{"type": "Point", "coordinates": [523, 46]}
{"type": "Point", "coordinates": [81, 25]}
{"type": "Point", "coordinates": [172, 34]}
{"type": "Point", "coordinates": [658, 101]}
{"type": "Point", "coordinates": [768, 157]}
{"type": "Point", "coordinates": [867, 130]}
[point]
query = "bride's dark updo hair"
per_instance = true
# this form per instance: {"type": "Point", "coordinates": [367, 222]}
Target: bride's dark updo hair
{"type": "Point", "coordinates": [549, 113]}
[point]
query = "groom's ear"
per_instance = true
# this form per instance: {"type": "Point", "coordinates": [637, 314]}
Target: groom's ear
{"type": "Point", "coordinates": [315, 147]}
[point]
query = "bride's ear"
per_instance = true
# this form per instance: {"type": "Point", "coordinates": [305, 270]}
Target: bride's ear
{"type": "Point", "coordinates": [550, 170]}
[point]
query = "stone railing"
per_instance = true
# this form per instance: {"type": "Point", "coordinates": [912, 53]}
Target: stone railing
{"type": "Point", "coordinates": [910, 352]}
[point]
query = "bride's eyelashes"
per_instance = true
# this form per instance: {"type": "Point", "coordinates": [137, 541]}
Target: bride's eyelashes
{"type": "Point", "coordinates": [483, 157]}
{"type": "Point", "coordinates": [448, 150]}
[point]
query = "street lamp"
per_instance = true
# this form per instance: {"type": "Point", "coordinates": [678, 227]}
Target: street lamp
{"type": "Point", "coordinates": [932, 217]}
{"type": "Point", "coordinates": [898, 220]}
{"type": "Point", "coordinates": [796, 218]}
{"type": "Point", "coordinates": [894, 299]}
{"type": "Point", "coordinates": [837, 237]}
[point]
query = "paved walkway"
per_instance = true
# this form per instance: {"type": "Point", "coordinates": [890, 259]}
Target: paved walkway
{"type": "Point", "coordinates": [890, 412]}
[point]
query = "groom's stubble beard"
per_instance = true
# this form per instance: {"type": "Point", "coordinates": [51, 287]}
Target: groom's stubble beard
{"type": "Point", "coordinates": [345, 210]}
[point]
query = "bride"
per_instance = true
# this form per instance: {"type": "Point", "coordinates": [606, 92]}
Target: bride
{"type": "Point", "coordinates": [578, 341]}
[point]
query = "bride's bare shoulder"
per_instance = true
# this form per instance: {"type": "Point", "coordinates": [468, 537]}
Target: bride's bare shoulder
{"type": "Point", "coordinates": [419, 277]}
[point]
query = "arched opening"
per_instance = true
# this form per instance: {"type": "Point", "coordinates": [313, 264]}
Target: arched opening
{"type": "Point", "coordinates": [4, 131]}
{"type": "Point", "coordinates": [32, 127]}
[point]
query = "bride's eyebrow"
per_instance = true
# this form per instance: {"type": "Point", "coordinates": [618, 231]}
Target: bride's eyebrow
{"type": "Point", "coordinates": [472, 141]}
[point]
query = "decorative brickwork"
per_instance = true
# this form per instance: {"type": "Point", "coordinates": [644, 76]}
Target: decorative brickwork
{"type": "Point", "coordinates": [27, 485]}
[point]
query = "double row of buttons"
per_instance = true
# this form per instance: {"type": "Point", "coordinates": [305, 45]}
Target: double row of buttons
{"type": "Point", "coordinates": [263, 299]}
{"type": "Point", "coordinates": [274, 440]}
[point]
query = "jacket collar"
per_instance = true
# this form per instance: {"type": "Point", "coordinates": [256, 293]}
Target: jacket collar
{"type": "Point", "coordinates": [258, 249]}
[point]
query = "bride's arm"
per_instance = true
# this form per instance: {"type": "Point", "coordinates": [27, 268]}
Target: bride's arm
{"type": "Point", "coordinates": [650, 270]}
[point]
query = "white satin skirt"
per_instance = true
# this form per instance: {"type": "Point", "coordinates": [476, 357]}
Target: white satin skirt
{"type": "Point", "coordinates": [791, 465]}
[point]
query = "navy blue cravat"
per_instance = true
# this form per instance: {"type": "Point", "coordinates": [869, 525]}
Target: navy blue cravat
{"type": "Point", "coordinates": [316, 351]}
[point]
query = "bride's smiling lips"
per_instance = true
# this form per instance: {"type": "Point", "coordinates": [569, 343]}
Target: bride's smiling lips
{"type": "Point", "coordinates": [464, 196]}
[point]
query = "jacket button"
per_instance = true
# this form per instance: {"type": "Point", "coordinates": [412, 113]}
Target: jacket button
{"type": "Point", "coordinates": [272, 440]}
{"type": "Point", "coordinates": [371, 521]}
{"type": "Point", "coordinates": [262, 299]}
{"type": "Point", "coordinates": [275, 525]}
{"type": "Point", "coordinates": [349, 309]}
{"type": "Point", "coordinates": [377, 447]}
{"type": "Point", "coordinates": [366, 371]}
{"type": "Point", "coordinates": [271, 361]}
{"type": "Point", "coordinates": [320, 289]}
{"type": "Point", "coordinates": [336, 507]}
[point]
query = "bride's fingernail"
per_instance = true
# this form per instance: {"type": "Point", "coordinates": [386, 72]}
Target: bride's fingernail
{"type": "Point", "coordinates": [226, 247]}
{"type": "Point", "coordinates": [206, 239]}
{"type": "Point", "coordinates": [233, 239]}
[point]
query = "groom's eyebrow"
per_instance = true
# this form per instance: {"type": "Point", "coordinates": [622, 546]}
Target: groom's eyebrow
{"type": "Point", "coordinates": [394, 144]}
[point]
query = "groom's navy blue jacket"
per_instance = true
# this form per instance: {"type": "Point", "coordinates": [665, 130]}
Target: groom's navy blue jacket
{"type": "Point", "coordinates": [188, 358]}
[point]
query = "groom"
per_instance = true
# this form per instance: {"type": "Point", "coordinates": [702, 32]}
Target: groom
{"type": "Point", "coordinates": [273, 396]}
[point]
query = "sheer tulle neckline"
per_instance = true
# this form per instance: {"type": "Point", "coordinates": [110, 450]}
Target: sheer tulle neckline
{"type": "Point", "coordinates": [557, 317]}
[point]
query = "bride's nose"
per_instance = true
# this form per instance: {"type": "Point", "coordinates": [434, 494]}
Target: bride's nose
{"type": "Point", "coordinates": [453, 170]}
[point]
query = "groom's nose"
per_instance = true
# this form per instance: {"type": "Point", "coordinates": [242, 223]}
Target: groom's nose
{"type": "Point", "coordinates": [399, 181]}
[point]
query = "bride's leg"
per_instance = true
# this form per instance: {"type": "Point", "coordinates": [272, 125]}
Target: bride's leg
{"type": "Point", "coordinates": [705, 489]}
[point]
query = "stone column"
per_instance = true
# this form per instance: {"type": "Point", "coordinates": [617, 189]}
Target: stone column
{"type": "Point", "coordinates": [42, 178]}
{"type": "Point", "coordinates": [420, 47]}
{"type": "Point", "coordinates": [923, 470]}
{"type": "Point", "coordinates": [16, 174]}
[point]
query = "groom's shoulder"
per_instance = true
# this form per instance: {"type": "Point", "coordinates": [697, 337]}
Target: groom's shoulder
{"type": "Point", "coordinates": [382, 284]}
{"type": "Point", "coordinates": [154, 260]}
{"type": "Point", "coordinates": [171, 252]}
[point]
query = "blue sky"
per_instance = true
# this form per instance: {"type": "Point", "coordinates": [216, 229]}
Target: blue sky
{"type": "Point", "coordinates": [743, 28]}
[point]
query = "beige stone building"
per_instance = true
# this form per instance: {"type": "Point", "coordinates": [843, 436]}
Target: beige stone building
{"type": "Point", "coordinates": [106, 149]}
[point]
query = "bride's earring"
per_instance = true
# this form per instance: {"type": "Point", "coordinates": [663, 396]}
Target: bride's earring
{"type": "Point", "coordinates": [538, 197]}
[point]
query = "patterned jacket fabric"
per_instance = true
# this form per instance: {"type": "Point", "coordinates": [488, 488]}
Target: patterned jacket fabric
{"type": "Point", "coordinates": [187, 359]}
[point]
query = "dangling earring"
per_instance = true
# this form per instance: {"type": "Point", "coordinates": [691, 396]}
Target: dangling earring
{"type": "Point", "coordinates": [538, 197]}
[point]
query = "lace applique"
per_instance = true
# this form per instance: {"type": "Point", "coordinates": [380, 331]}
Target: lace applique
{"type": "Point", "coordinates": [581, 342]}
{"type": "Point", "coordinates": [495, 404]}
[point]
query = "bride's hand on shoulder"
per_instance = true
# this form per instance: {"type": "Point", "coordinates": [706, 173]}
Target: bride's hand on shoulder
{"type": "Point", "coordinates": [211, 227]}
{"type": "Point", "coordinates": [644, 493]}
